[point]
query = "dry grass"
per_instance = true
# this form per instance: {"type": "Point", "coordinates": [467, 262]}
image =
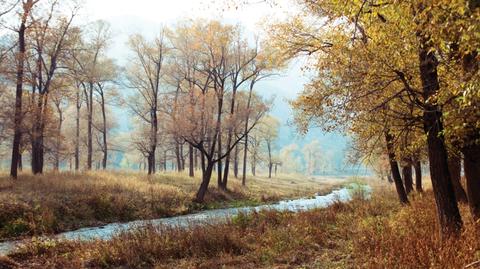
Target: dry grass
{"type": "Point", "coordinates": [409, 236]}
{"type": "Point", "coordinates": [52, 203]}
{"type": "Point", "coordinates": [361, 234]}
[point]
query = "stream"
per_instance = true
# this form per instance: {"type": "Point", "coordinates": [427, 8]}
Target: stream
{"type": "Point", "coordinates": [208, 216]}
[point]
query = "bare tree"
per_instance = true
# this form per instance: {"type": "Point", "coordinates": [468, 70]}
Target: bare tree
{"type": "Point", "coordinates": [144, 75]}
{"type": "Point", "coordinates": [260, 73]}
{"type": "Point", "coordinates": [242, 71]}
{"type": "Point", "coordinates": [49, 41]}
{"type": "Point", "coordinates": [27, 7]}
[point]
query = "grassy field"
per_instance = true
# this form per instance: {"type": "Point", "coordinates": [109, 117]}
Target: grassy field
{"type": "Point", "coordinates": [376, 233]}
{"type": "Point", "coordinates": [52, 203]}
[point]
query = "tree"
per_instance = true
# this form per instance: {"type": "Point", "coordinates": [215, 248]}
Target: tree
{"type": "Point", "coordinates": [27, 7]}
{"type": "Point", "coordinates": [105, 91]}
{"type": "Point", "coordinates": [144, 75]}
{"type": "Point", "coordinates": [312, 155]}
{"type": "Point", "coordinates": [290, 161]}
{"type": "Point", "coordinates": [59, 99]}
{"type": "Point", "coordinates": [208, 50]}
{"type": "Point", "coordinates": [50, 39]}
{"type": "Point", "coordinates": [447, 209]}
{"type": "Point", "coordinates": [270, 135]}
{"type": "Point", "coordinates": [8, 6]}
{"type": "Point", "coordinates": [92, 70]}
{"type": "Point", "coordinates": [407, 175]}
{"type": "Point", "coordinates": [455, 169]}
{"type": "Point", "coordinates": [383, 46]}
{"type": "Point", "coordinates": [418, 175]}
{"type": "Point", "coordinates": [78, 106]}
{"type": "Point", "coordinates": [243, 69]}
{"type": "Point", "coordinates": [256, 149]}
{"type": "Point", "coordinates": [262, 70]}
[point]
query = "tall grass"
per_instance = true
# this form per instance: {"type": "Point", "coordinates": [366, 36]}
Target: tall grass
{"type": "Point", "coordinates": [376, 233]}
{"type": "Point", "coordinates": [409, 238]}
{"type": "Point", "coordinates": [52, 203]}
{"type": "Point", "coordinates": [57, 202]}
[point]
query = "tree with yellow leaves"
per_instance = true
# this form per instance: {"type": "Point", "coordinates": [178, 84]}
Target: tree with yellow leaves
{"type": "Point", "coordinates": [379, 70]}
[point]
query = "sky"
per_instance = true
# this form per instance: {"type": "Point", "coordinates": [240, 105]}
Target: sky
{"type": "Point", "coordinates": [147, 16]}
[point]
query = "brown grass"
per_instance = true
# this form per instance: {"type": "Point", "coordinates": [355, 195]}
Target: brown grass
{"type": "Point", "coordinates": [52, 203]}
{"type": "Point", "coordinates": [410, 237]}
{"type": "Point", "coordinates": [361, 234]}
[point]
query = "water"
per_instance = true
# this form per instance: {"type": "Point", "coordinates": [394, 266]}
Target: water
{"type": "Point", "coordinates": [207, 216]}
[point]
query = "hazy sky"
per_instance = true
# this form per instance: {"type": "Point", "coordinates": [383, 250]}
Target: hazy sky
{"type": "Point", "coordinates": [147, 16]}
{"type": "Point", "coordinates": [165, 11]}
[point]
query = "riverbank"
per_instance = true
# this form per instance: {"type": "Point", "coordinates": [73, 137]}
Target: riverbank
{"type": "Point", "coordinates": [205, 217]}
{"type": "Point", "coordinates": [54, 203]}
{"type": "Point", "coordinates": [376, 233]}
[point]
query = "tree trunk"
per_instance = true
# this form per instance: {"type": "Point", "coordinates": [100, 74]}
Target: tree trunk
{"type": "Point", "coordinates": [153, 139]}
{"type": "Point", "coordinates": [151, 163]}
{"type": "Point", "coordinates": [235, 162]}
{"type": "Point", "coordinates": [226, 172]}
{"type": "Point", "coordinates": [418, 175]}
{"type": "Point", "coordinates": [245, 149]}
{"type": "Point", "coordinates": [447, 208]}
{"type": "Point", "coordinates": [471, 165]}
{"type": "Point", "coordinates": [270, 164]}
{"type": "Point", "coordinates": [17, 136]}
{"type": "Point", "coordinates": [196, 159]}
{"type": "Point", "coordinates": [177, 156]}
{"type": "Point", "coordinates": [402, 194]}
{"type": "Point", "coordinates": [229, 141]}
{"type": "Point", "coordinates": [219, 164]}
{"type": "Point", "coordinates": [165, 161]}
{"type": "Point", "coordinates": [407, 177]}
{"type": "Point", "coordinates": [77, 131]}
{"type": "Point", "coordinates": [217, 141]}
{"type": "Point", "coordinates": [455, 168]}
{"type": "Point", "coordinates": [202, 163]}
{"type": "Point", "coordinates": [37, 136]}
{"type": "Point", "coordinates": [206, 176]}
{"type": "Point", "coordinates": [20, 163]}
{"type": "Point", "coordinates": [245, 152]}
{"type": "Point", "coordinates": [58, 143]}
{"type": "Point", "coordinates": [254, 164]}
{"type": "Point", "coordinates": [17, 128]}
{"type": "Point", "coordinates": [191, 172]}
{"type": "Point", "coordinates": [89, 127]}
{"type": "Point", "coordinates": [37, 155]}
{"type": "Point", "coordinates": [151, 160]}
{"type": "Point", "coordinates": [104, 133]}
{"type": "Point", "coordinates": [182, 158]}
{"type": "Point", "coordinates": [226, 169]}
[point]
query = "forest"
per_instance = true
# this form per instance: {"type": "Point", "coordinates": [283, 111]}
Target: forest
{"type": "Point", "coordinates": [174, 152]}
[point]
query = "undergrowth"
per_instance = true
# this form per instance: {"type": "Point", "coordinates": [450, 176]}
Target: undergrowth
{"type": "Point", "coordinates": [57, 202]}
{"type": "Point", "coordinates": [376, 233]}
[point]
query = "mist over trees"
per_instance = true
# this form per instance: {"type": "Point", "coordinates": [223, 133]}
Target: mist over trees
{"type": "Point", "coordinates": [190, 91]}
